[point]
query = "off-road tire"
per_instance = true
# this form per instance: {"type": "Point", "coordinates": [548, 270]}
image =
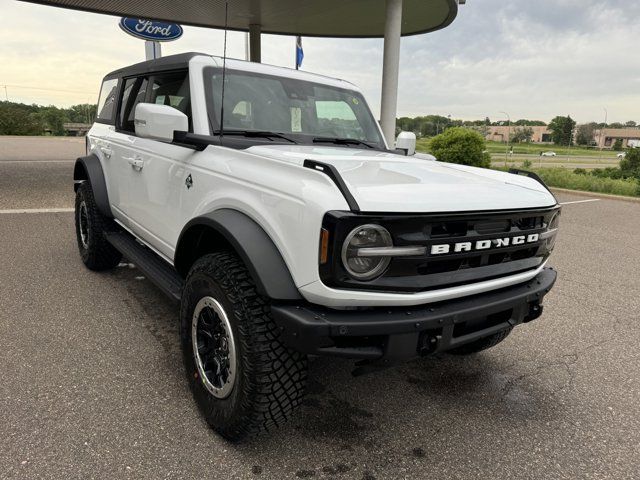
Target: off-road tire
{"type": "Point", "coordinates": [270, 377]}
{"type": "Point", "coordinates": [481, 344]}
{"type": "Point", "coordinates": [97, 253]}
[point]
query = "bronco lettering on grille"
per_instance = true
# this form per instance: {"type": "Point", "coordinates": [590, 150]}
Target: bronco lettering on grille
{"type": "Point", "coordinates": [483, 244]}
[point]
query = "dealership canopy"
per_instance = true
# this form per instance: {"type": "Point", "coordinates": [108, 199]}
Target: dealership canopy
{"type": "Point", "coordinates": [319, 18]}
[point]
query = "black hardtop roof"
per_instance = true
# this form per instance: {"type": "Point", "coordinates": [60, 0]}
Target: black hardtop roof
{"type": "Point", "coordinates": [170, 62]}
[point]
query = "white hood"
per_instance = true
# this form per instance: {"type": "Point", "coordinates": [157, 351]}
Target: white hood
{"type": "Point", "coordinates": [385, 182]}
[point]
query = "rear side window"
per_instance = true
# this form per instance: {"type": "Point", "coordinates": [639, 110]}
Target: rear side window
{"type": "Point", "coordinates": [107, 100]}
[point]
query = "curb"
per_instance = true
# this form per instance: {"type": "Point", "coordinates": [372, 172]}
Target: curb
{"type": "Point", "coordinates": [605, 196]}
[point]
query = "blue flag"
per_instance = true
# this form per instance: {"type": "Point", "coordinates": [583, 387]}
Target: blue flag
{"type": "Point", "coordinates": [299, 52]}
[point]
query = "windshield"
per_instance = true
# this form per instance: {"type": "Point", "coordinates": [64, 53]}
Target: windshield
{"type": "Point", "coordinates": [305, 112]}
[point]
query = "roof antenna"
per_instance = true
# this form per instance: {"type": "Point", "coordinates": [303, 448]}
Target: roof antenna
{"type": "Point", "coordinates": [224, 67]}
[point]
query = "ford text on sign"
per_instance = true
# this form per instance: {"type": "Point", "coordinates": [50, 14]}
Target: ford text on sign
{"type": "Point", "coordinates": [151, 29]}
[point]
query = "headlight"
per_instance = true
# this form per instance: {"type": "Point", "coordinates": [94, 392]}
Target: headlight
{"type": "Point", "coordinates": [365, 267]}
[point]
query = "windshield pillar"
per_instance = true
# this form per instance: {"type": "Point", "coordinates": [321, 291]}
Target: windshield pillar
{"type": "Point", "coordinates": [255, 42]}
{"type": "Point", "coordinates": [390, 67]}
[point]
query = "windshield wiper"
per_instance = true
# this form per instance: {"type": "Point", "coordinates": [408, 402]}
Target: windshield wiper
{"type": "Point", "coordinates": [342, 141]}
{"type": "Point", "coordinates": [255, 133]}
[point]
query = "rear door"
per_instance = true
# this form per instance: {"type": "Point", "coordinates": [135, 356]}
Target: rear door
{"type": "Point", "coordinates": [100, 140]}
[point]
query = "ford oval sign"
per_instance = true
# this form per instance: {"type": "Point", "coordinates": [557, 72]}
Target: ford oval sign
{"type": "Point", "coordinates": [151, 29]}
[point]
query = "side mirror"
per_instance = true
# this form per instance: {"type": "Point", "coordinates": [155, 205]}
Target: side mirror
{"type": "Point", "coordinates": [406, 142]}
{"type": "Point", "coordinates": [158, 122]}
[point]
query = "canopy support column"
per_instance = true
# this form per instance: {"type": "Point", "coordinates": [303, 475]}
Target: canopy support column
{"type": "Point", "coordinates": [390, 67]}
{"type": "Point", "coordinates": [254, 43]}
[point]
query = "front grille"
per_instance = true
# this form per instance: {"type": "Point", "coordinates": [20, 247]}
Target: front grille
{"type": "Point", "coordinates": [431, 271]}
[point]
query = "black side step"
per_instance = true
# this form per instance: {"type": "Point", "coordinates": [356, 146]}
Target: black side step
{"type": "Point", "coordinates": [149, 263]}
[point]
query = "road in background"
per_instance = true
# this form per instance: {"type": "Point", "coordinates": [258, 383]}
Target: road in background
{"type": "Point", "coordinates": [93, 384]}
{"type": "Point", "coordinates": [570, 162]}
{"type": "Point", "coordinates": [39, 149]}
{"type": "Point", "coordinates": [36, 171]}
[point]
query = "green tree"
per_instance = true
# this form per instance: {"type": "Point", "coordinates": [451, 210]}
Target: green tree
{"type": "Point", "coordinates": [630, 124]}
{"type": "Point", "coordinates": [55, 119]}
{"type": "Point", "coordinates": [82, 113]}
{"type": "Point", "coordinates": [19, 119]}
{"type": "Point", "coordinates": [22, 119]}
{"type": "Point", "coordinates": [630, 164]}
{"type": "Point", "coordinates": [529, 123]}
{"type": "Point", "coordinates": [461, 145]}
{"type": "Point", "coordinates": [586, 133]}
{"type": "Point", "coordinates": [562, 130]}
{"type": "Point", "coordinates": [522, 134]}
{"type": "Point", "coordinates": [617, 145]}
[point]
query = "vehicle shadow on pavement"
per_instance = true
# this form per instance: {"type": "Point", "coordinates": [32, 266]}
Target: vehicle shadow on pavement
{"type": "Point", "coordinates": [411, 411]}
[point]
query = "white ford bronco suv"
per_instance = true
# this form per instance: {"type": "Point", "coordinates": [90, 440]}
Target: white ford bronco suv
{"type": "Point", "coordinates": [285, 226]}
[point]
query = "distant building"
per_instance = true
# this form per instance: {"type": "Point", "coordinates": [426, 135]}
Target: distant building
{"type": "Point", "coordinates": [606, 137]}
{"type": "Point", "coordinates": [501, 133]}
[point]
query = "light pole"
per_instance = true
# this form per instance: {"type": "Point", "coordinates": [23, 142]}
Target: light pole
{"type": "Point", "coordinates": [6, 95]}
{"type": "Point", "coordinates": [506, 153]}
{"type": "Point", "coordinates": [600, 141]}
{"type": "Point", "coordinates": [570, 141]}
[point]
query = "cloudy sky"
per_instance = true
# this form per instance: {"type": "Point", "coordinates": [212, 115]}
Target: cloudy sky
{"type": "Point", "coordinates": [532, 59]}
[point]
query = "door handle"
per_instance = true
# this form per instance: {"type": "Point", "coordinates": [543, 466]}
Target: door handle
{"type": "Point", "coordinates": [136, 163]}
{"type": "Point", "coordinates": [106, 151]}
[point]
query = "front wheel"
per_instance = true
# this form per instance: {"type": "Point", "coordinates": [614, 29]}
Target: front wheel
{"type": "Point", "coordinates": [243, 378]}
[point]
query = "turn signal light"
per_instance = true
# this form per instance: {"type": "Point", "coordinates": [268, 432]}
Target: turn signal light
{"type": "Point", "coordinates": [324, 246]}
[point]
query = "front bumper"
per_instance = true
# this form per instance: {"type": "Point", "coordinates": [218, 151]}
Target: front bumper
{"type": "Point", "coordinates": [396, 334]}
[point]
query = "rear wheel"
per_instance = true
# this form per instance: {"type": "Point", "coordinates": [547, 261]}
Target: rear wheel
{"type": "Point", "coordinates": [243, 378]}
{"type": "Point", "coordinates": [91, 225]}
{"type": "Point", "coordinates": [481, 344]}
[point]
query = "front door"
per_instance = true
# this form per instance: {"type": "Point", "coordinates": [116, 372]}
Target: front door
{"type": "Point", "coordinates": [157, 170]}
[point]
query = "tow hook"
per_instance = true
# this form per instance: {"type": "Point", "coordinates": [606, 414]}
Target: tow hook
{"type": "Point", "coordinates": [428, 344]}
{"type": "Point", "coordinates": [535, 310]}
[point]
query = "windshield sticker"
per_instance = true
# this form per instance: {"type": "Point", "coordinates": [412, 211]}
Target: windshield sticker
{"type": "Point", "coordinates": [296, 119]}
{"type": "Point", "coordinates": [354, 100]}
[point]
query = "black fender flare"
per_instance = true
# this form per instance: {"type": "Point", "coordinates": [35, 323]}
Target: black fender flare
{"type": "Point", "coordinates": [90, 170]}
{"type": "Point", "coordinates": [252, 244]}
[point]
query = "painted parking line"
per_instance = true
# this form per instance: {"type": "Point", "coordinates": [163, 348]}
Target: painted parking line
{"type": "Point", "coordinates": [37, 161]}
{"type": "Point", "coordinates": [36, 210]}
{"type": "Point", "coordinates": [581, 201]}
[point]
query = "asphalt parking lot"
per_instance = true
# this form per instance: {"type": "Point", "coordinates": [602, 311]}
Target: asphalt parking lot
{"type": "Point", "coordinates": [92, 383]}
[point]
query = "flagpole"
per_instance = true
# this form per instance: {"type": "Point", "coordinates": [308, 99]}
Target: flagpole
{"type": "Point", "coordinates": [295, 52]}
{"type": "Point", "coordinates": [299, 52]}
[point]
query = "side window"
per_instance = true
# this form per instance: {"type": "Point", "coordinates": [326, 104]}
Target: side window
{"type": "Point", "coordinates": [134, 92]}
{"type": "Point", "coordinates": [126, 95]}
{"type": "Point", "coordinates": [172, 89]}
{"type": "Point", "coordinates": [107, 100]}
